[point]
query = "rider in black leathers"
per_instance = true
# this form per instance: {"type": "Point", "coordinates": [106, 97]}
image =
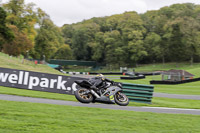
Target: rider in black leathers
{"type": "Point", "coordinates": [98, 81]}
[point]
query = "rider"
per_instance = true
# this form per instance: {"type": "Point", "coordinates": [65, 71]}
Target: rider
{"type": "Point", "coordinates": [98, 81]}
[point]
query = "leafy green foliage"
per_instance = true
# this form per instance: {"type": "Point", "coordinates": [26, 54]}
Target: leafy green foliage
{"type": "Point", "coordinates": [64, 52]}
{"type": "Point", "coordinates": [48, 40]}
{"type": "Point", "coordinates": [168, 34]}
{"type": "Point", "coordinates": [21, 43]}
{"type": "Point", "coordinates": [23, 16]}
{"type": "Point", "coordinates": [164, 35]}
{"type": "Point", "coordinates": [6, 34]}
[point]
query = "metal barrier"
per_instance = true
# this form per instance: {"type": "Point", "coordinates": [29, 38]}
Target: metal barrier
{"type": "Point", "coordinates": [138, 93]}
{"type": "Point", "coordinates": [73, 62]}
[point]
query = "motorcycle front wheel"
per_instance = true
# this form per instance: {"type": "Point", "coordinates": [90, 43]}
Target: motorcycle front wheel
{"type": "Point", "coordinates": [121, 99]}
{"type": "Point", "coordinates": [83, 96]}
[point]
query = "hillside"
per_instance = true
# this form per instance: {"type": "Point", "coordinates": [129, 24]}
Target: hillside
{"type": "Point", "coordinates": [18, 63]}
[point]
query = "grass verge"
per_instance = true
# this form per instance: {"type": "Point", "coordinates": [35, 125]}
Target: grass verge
{"type": "Point", "coordinates": [7, 61]}
{"type": "Point", "coordinates": [22, 117]}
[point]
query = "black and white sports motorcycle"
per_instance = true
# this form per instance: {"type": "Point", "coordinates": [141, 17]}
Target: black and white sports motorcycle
{"type": "Point", "coordinates": [109, 92]}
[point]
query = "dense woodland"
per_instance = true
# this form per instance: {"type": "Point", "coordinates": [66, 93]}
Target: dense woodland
{"type": "Point", "coordinates": [171, 34]}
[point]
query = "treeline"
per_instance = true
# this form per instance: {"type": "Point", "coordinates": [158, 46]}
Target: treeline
{"type": "Point", "coordinates": [28, 31]}
{"type": "Point", "coordinates": [165, 35]}
{"type": "Point", "coordinates": [171, 34]}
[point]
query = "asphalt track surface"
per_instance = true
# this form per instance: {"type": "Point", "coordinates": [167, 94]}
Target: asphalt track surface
{"type": "Point", "coordinates": [104, 106]}
{"type": "Point", "coordinates": [177, 96]}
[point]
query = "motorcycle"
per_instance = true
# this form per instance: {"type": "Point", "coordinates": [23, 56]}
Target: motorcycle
{"type": "Point", "coordinates": [109, 93]}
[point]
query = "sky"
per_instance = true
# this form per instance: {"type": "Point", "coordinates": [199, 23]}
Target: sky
{"type": "Point", "coordinates": [73, 11]}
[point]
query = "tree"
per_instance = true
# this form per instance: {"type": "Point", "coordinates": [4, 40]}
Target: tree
{"type": "Point", "coordinates": [152, 45]}
{"type": "Point", "coordinates": [190, 29]}
{"type": "Point", "coordinates": [67, 31]}
{"type": "Point", "coordinates": [64, 52]}
{"type": "Point", "coordinates": [150, 20]}
{"type": "Point", "coordinates": [19, 45]}
{"type": "Point", "coordinates": [113, 44]}
{"type": "Point", "coordinates": [6, 34]}
{"type": "Point", "coordinates": [48, 40]}
{"type": "Point", "coordinates": [79, 45]}
{"type": "Point", "coordinates": [174, 37]}
{"type": "Point", "coordinates": [83, 40]}
{"type": "Point", "coordinates": [23, 16]}
{"type": "Point", "coordinates": [136, 47]}
{"type": "Point", "coordinates": [99, 48]}
{"type": "Point", "coordinates": [183, 34]}
{"type": "Point", "coordinates": [132, 30]}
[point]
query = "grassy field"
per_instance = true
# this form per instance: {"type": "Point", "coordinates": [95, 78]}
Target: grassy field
{"type": "Point", "coordinates": [22, 117]}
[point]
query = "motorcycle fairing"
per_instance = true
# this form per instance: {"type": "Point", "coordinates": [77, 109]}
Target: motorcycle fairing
{"type": "Point", "coordinates": [111, 91]}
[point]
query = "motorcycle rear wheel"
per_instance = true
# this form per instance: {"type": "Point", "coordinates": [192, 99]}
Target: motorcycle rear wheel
{"type": "Point", "coordinates": [82, 95]}
{"type": "Point", "coordinates": [121, 99]}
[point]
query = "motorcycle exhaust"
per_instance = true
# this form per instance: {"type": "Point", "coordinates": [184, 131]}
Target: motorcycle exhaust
{"type": "Point", "coordinates": [94, 93]}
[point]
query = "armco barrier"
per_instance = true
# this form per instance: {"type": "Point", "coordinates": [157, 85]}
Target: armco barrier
{"type": "Point", "coordinates": [138, 93]}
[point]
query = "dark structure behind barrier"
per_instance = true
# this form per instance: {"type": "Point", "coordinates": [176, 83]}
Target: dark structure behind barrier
{"type": "Point", "coordinates": [138, 93]}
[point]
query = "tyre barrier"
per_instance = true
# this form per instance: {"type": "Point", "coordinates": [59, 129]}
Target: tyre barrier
{"type": "Point", "coordinates": [174, 82]}
{"type": "Point", "coordinates": [138, 93]}
{"type": "Point", "coordinates": [133, 78]}
{"type": "Point", "coordinates": [108, 73]}
{"type": "Point", "coordinates": [148, 73]}
{"type": "Point", "coordinates": [127, 73]}
{"type": "Point", "coordinates": [75, 73]}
